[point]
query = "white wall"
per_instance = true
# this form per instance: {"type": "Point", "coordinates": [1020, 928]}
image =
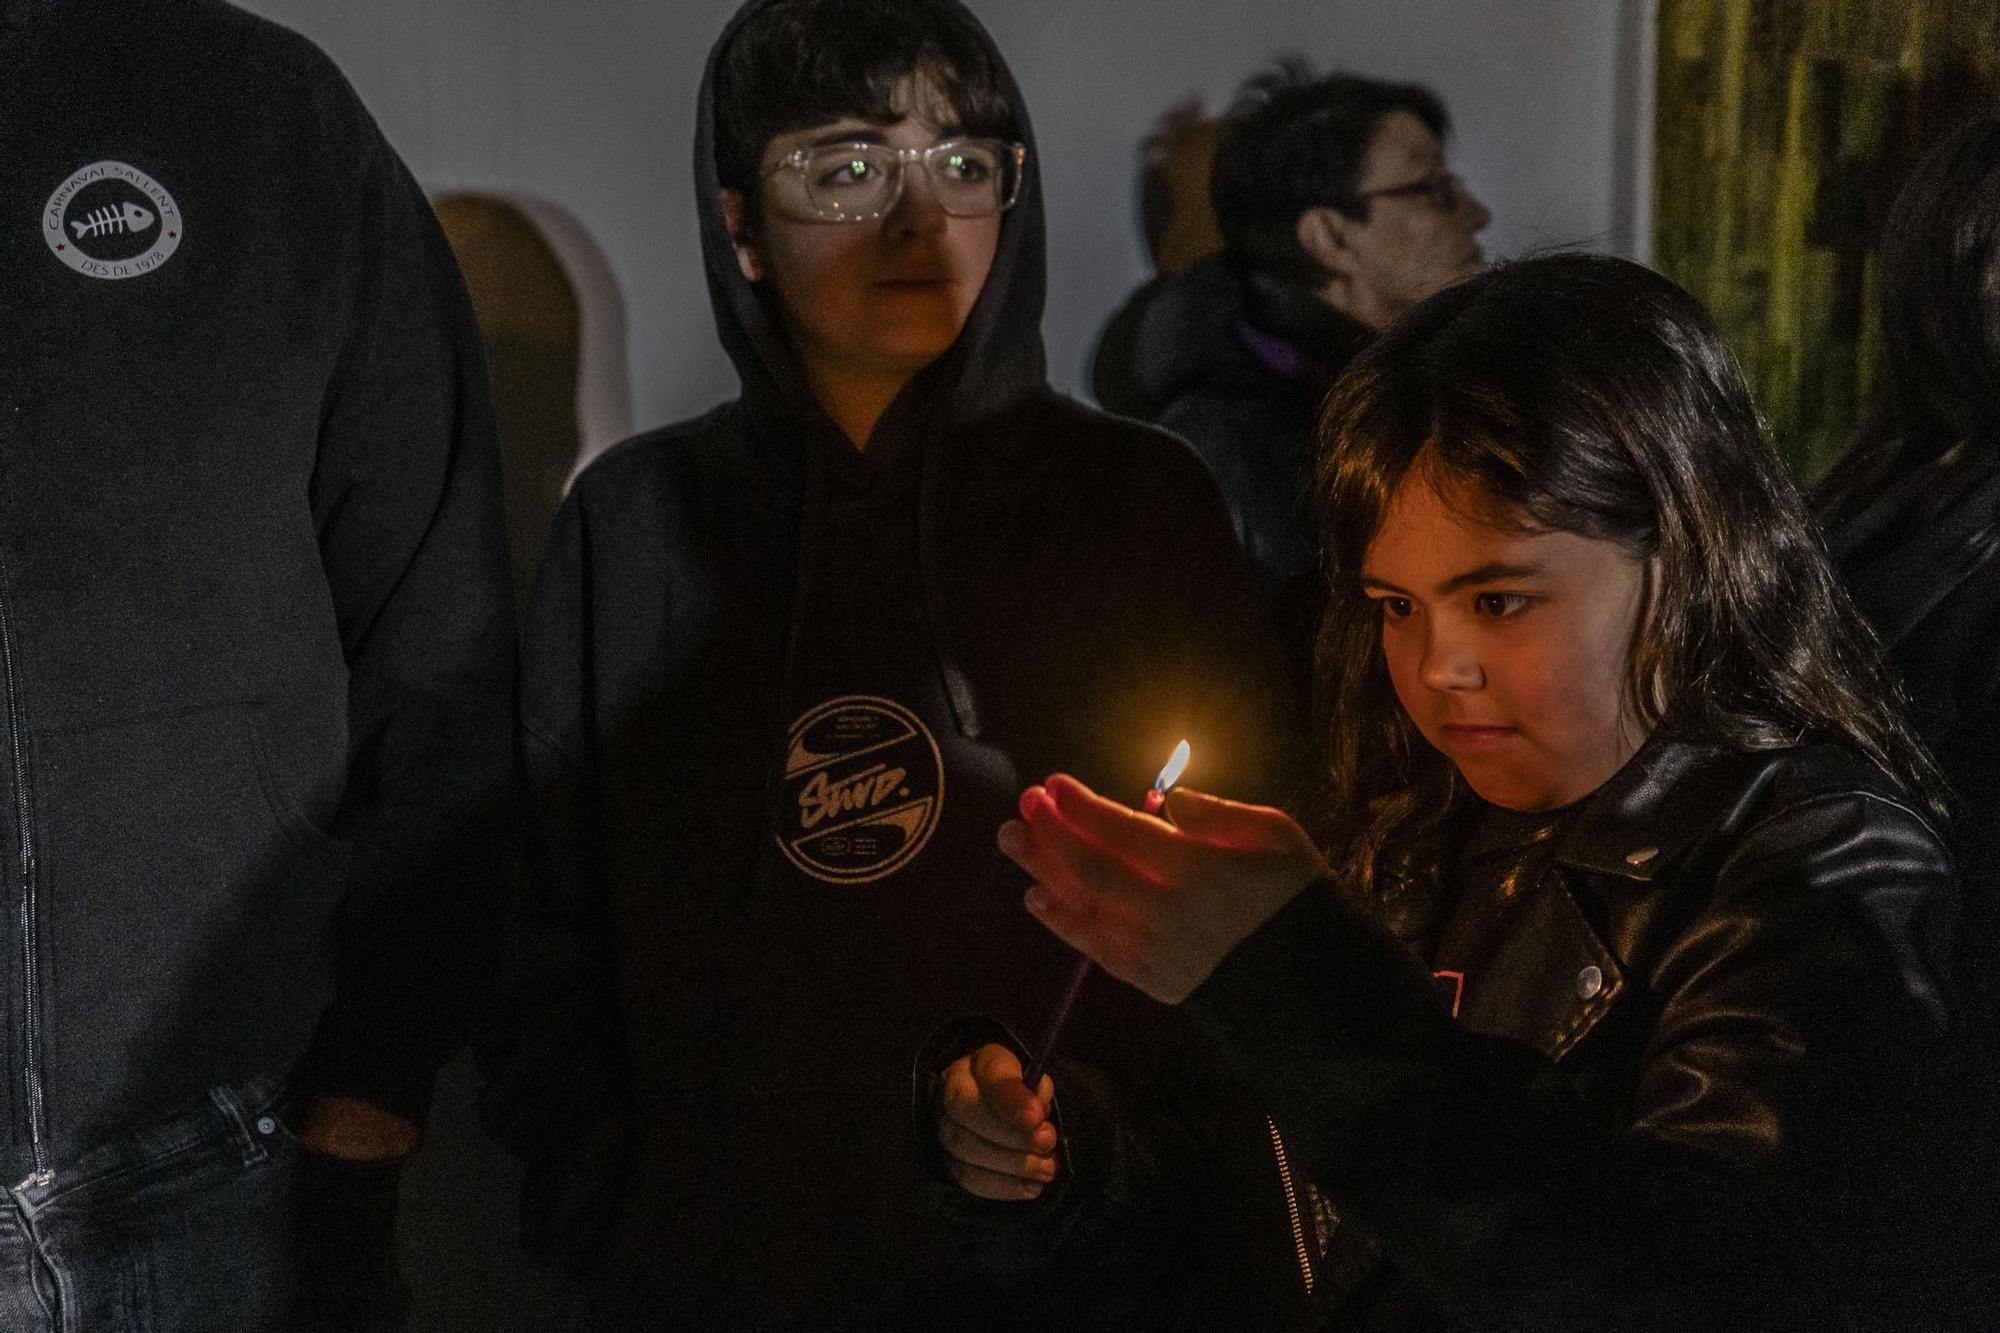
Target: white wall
{"type": "Point", "coordinates": [590, 103]}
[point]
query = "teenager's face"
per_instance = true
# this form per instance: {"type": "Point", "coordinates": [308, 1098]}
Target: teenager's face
{"type": "Point", "coordinates": [1406, 247]}
{"type": "Point", "coordinates": [1509, 650]}
{"type": "Point", "coordinates": [886, 296]}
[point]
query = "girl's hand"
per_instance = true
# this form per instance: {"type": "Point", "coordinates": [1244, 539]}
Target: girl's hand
{"type": "Point", "coordinates": [996, 1135]}
{"type": "Point", "coordinates": [1155, 905]}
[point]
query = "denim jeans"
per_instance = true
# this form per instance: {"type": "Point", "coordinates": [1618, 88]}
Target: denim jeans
{"type": "Point", "coordinates": [181, 1226]}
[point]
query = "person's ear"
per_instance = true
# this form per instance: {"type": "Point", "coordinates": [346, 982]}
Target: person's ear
{"type": "Point", "coordinates": [736, 218]}
{"type": "Point", "coordinates": [1645, 635]}
{"type": "Point", "coordinates": [1325, 234]}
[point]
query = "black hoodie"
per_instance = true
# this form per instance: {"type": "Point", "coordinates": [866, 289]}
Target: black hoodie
{"type": "Point", "coordinates": [253, 598]}
{"type": "Point", "coordinates": [778, 697]}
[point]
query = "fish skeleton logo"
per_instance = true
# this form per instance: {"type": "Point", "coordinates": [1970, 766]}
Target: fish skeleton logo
{"type": "Point", "coordinates": [863, 789]}
{"type": "Point", "coordinates": [111, 220]}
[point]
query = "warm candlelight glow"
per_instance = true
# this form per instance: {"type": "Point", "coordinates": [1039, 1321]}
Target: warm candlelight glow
{"type": "Point", "coordinates": [1175, 767]}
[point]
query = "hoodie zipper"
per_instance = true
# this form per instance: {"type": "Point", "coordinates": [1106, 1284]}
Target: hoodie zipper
{"type": "Point", "coordinates": [31, 1041]}
{"type": "Point", "coordinates": [1292, 1205]}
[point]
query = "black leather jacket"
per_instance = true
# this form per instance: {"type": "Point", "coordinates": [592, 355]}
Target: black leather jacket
{"type": "Point", "coordinates": [1700, 1087]}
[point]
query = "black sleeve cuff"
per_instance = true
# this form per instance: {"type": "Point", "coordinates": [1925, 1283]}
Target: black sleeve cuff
{"type": "Point", "coordinates": [401, 1092]}
{"type": "Point", "coordinates": [1338, 1031]}
{"type": "Point", "coordinates": [957, 1037]}
{"type": "Point", "coordinates": [1321, 977]}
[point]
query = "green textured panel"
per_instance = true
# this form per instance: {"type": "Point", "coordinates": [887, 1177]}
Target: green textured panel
{"type": "Point", "coordinates": [1783, 131]}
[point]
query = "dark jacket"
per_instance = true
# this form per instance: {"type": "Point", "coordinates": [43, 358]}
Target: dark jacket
{"type": "Point", "coordinates": [1923, 561]}
{"type": "Point", "coordinates": [1697, 1086]}
{"type": "Point", "coordinates": [1237, 364]}
{"type": "Point", "coordinates": [709, 1058]}
{"type": "Point", "coordinates": [253, 598]}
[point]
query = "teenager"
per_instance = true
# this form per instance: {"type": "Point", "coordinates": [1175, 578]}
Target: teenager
{"type": "Point", "coordinates": [785, 666]}
{"type": "Point", "coordinates": [1914, 506]}
{"type": "Point", "coordinates": [1601, 999]}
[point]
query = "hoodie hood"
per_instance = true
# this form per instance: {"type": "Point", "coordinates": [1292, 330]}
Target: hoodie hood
{"type": "Point", "coordinates": [1213, 328]}
{"type": "Point", "coordinates": [60, 24]}
{"type": "Point", "coordinates": [21, 13]}
{"type": "Point", "coordinates": [995, 363]}
{"type": "Point", "coordinates": [1175, 332]}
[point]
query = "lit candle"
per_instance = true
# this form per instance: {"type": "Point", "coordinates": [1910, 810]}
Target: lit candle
{"type": "Point", "coordinates": [1155, 804]}
{"type": "Point", "coordinates": [1156, 797]}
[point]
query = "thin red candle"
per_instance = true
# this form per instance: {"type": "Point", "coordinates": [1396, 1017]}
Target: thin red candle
{"type": "Point", "coordinates": [1155, 804]}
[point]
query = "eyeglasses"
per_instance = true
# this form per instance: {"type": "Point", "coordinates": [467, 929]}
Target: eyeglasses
{"type": "Point", "coordinates": [857, 182]}
{"type": "Point", "coordinates": [1442, 189]}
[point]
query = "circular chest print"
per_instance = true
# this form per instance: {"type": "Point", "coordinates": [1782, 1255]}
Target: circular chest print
{"type": "Point", "coordinates": [111, 220]}
{"type": "Point", "coordinates": [863, 789]}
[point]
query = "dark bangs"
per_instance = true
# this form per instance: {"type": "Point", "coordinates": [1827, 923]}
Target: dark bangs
{"type": "Point", "coordinates": [1589, 395]}
{"type": "Point", "coordinates": [1432, 415]}
{"type": "Point", "coordinates": [799, 63]}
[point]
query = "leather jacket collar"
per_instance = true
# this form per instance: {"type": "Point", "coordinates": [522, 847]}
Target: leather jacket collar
{"type": "Point", "coordinates": [1616, 879]}
{"type": "Point", "coordinates": [1628, 829]}
{"type": "Point", "coordinates": [1650, 810]}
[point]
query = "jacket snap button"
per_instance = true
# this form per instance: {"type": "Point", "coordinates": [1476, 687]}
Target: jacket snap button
{"type": "Point", "coordinates": [266, 1125]}
{"type": "Point", "coordinates": [1640, 857]}
{"type": "Point", "coordinates": [1589, 982]}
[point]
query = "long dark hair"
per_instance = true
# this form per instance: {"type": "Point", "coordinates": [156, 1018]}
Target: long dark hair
{"type": "Point", "coordinates": [1940, 280]}
{"type": "Point", "coordinates": [1590, 395]}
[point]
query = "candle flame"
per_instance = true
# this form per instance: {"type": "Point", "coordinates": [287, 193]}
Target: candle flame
{"type": "Point", "coordinates": [1175, 767]}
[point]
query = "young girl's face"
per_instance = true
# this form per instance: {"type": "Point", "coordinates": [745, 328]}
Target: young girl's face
{"type": "Point", "coordinates": [1510, 650]}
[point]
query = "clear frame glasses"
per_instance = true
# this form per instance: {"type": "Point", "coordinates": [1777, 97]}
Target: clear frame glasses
{"type": "Point", "coordinates": [858, 182]}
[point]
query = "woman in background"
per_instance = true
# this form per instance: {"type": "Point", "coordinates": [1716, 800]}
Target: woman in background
{"type": "Point", "coordinates": [1914, 507]}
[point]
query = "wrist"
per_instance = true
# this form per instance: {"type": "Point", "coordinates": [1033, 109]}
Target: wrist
{"type": "Point", "coordinates": [356, 1131]}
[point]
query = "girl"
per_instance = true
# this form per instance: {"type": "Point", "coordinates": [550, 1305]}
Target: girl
{"type": "Point", "coordinates": [1624, 951]}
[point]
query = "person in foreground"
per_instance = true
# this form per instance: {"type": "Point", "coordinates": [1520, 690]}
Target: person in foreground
{"type": "Point", "coordinates": [1607, 997]}
{"type": "Point", "coordinates": [256, 668]}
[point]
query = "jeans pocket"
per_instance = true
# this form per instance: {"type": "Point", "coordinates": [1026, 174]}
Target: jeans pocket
{"type": "Point", "coordinates": [263, 1116]}
{"type": "Point", "coordinates": [188, 905]}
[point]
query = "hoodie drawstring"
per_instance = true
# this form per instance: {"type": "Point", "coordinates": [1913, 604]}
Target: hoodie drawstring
{"type": "Point", "coordinates": [811, 508]}
{"type": "Point", "coordinates": [957, 690]}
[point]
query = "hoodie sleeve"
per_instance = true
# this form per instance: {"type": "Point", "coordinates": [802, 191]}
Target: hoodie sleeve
{"type": "Point", "coordinates": [555, 1093]}
{"type": "Point", "coordinates": [405, 497]}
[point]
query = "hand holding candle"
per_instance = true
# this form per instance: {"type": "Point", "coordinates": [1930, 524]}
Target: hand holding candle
{"type": "Point", "coordinates": [995, 1136]}
{"type": "Point", "coordinates": [1155, 804]}
{"type": "Point", "coordinates": [1157, 905]}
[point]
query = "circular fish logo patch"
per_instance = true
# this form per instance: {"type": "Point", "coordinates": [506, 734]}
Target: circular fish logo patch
{"type": "Point", "coordinates": [111, 220]}
{"type": "Point", "coordinates": [863, 789]}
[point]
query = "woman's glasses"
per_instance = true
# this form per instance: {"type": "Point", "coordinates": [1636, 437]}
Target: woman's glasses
{"type": "Point", "coordinates": [856, 182]}
{"type": "Point", "coordinates": [1442, 189]}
